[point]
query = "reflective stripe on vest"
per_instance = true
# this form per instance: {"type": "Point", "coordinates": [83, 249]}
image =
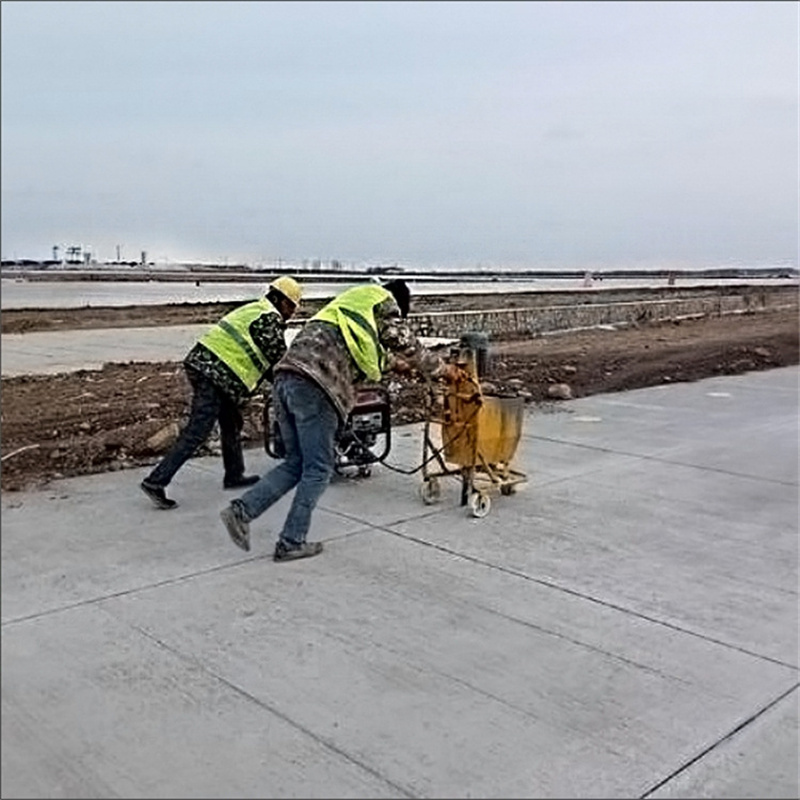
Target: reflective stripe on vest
{"type": "Point", "coordinates": [231, 342]}
{"type": "Point", "coordinates": [353, 312]}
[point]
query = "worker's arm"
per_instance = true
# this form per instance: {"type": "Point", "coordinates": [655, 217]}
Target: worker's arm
{"type": "Point", "coordinates": [268, 332]}
{"type": "Point", "coordinates": [396, 335]}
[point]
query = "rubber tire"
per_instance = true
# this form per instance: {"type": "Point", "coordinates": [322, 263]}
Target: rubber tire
{"type": "Point", "coordinates": [480, 504]}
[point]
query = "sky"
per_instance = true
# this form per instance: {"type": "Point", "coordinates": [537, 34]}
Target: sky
{"type": "Point", "coordinates": [434, 134]}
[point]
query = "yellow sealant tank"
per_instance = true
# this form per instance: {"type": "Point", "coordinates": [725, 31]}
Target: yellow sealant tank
{"type": "Point", "coordinates": [476, 428]}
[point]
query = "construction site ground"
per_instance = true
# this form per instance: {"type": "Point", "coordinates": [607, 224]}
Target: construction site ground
{"type": "Point", "coordinates": [124, 413]}
{"type": "Point", "coordinates": [624, 624]}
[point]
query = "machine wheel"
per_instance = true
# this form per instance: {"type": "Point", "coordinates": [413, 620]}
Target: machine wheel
{"type": "Point", "coordinates": [430, 491]}
{"type": "Point", "coordinates": [507, 489]}
{"type": "Point", "coordinates": [364, 471]}
{"type": "Point", "coordinates": [480, 504]}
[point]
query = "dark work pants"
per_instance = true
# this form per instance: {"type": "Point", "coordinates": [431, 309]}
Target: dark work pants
{"type": "Point", "coordinates": [209, 405]}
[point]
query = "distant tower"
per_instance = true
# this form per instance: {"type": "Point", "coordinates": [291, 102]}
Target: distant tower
{"type": "Point", "coordinates": [117, 254]}
{"type": "Point", "coordinates": [55, 252]}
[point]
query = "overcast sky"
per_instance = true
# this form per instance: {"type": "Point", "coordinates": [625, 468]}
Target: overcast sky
{"type": "Point", "coordinates": [529, 134]}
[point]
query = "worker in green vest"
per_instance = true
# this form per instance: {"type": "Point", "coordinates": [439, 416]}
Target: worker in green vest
{"type": "Point", "coordinates": [225, 368]}
{"type": "Point", "coordinates": [349, 341]}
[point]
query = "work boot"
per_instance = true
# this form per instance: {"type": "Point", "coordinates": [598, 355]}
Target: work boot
{"type": "Point", "coordinates": [286, 552]}
{"type": "Point", "coordinates": [240, 482]}
{"type": "Point", "coordinates": [238, 528]}
{"type": "Point", "coordinates": [157, 495]}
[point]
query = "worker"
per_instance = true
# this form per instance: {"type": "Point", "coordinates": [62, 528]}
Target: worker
{"type": "Point", "coordinates": [225, 367]}
{"type": "Point", "coordinates": [350, 340]}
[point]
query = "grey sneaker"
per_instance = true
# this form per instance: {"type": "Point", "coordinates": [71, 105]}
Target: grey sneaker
{"type": "Point", "coordinates": [238, 529]}
{"type": "Point", "coordinates": [285, 552]}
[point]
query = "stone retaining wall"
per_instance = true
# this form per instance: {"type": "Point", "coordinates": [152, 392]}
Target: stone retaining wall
{"type": "Point", "coordinates": [540, 319]}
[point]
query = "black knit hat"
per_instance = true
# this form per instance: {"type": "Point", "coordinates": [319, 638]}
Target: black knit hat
{"type": "Point", "coordinates": [401, 293]}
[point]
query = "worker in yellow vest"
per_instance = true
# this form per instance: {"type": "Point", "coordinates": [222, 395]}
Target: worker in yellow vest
{"type": "Point", "coordinates": [225, 367]}
{"type": "Point", "coordinates": [347, 342]}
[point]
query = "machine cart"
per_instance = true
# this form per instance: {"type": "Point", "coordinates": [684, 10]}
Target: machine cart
{"type": "Point", "coordinates": [479, 436]}
{"type": "Point", "coordinates": [364, 439]}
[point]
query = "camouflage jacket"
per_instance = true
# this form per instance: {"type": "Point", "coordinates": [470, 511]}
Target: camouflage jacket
{"type": "Point", "coordinates": [269, 334]}
{"type": "Point", "coordinates": [320, 353]}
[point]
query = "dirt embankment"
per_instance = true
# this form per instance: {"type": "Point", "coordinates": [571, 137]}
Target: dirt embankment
{"type": "Point", "coordinates": [123, 415]}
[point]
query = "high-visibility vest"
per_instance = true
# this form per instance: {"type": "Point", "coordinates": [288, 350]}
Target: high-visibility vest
{"type": "Point", "coordinates": [353, 311]}
{"type": "Point", "coordinates": [231, 342]}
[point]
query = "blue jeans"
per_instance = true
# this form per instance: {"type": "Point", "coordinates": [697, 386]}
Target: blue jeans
{"type": "Point", "coordinates": [308, 422]}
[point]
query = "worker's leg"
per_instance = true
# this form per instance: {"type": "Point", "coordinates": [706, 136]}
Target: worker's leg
{"type": "Point", "coordinates": [283, 477]}
{"type": "Point", "coordinates": [230, 432]}
{"type": "Point", "coordinates": [202, 416]}
{"type": "Point", "coordinates": [315, 423]}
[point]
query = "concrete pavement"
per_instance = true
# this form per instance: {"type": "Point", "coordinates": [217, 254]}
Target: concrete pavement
{"type": "Point", "coordinates": [625, 625]}
{"type": "Point", "coordinates": [51, 352]}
